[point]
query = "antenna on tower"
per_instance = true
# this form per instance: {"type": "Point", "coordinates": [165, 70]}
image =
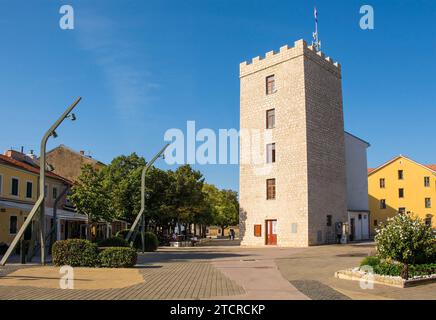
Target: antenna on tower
{"type": "Point", "coordinates": [315, 39]}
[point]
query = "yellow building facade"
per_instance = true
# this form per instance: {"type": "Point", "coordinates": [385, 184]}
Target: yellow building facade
{"type": "Point", "coordinates": [402, 185]}
{"type": "Point", "coordinates": [19, 184]}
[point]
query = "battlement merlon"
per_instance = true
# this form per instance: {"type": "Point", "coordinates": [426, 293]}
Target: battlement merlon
{"type": "Point", "coordinates": [287, 53]}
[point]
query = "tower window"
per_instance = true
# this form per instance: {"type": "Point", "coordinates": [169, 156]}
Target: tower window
{"type": "Point", "coordinates": [270, 119]}
{"type": "Point", "coordinates": [382, 183]}
{"type": "Point", "coordinates": [400, 175]}
{"type": "Point", "coordinates": [257, 230]}
{"type": "Point", "coordinates": [426, 181]}
{"type": "Point", "coordinates": [402, 210]}
{"type": "Point", "coordinates": [427, 220]}
{"type": "Point", "coordinates": [382, 203]}
{"type": "Point", "coordinates": [375, 223]}
{"type": "Point", "coordinates": [329, 220]}
{"type": "Point", "coordinates": [271, 153]}
{"type": "Point", "coordinates": [401, 193]}
{"type": "Point", "coordinates": [270, 84]}
{"type": "Point", "coordinates": [427, 203]}
{"type": "Point", "coordinates": [270, 189]}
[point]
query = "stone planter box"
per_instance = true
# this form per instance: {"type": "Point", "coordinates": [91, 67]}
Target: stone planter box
{"type": "Point", "coordinates": [358, 275]}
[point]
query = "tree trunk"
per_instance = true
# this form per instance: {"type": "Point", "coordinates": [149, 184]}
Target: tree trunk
{"type": "Point", "coordinates": [405, 271]}
{"type": "Point", "coordinates": [222, 230]}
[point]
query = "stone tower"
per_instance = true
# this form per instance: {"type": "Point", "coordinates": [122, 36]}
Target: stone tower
{"type": "Point", "coordinates": [291, 118]}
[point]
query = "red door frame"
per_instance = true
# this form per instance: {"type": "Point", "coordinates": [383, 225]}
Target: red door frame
{"type": "Point", "coordinates": [270, 238]}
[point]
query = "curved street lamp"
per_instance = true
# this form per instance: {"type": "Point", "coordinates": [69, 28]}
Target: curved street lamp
{"type": "Point", "coordinates": [140, 214]}
{"type": "Point", "coordinates": [40, 202]}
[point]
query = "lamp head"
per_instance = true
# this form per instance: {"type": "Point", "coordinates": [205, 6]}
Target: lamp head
{"type": "Point", "coordinates": [54, 134]}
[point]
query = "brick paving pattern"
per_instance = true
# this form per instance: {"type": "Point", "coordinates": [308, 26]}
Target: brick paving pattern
{"type": "Point", "coordinates": [161, 282]}
{"type": "Point", "coordinates": [316, 290]}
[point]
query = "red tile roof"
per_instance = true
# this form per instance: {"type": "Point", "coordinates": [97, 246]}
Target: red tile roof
{"type": "Point", "coordinates": [370, 170]}
{"type": "Point", "coordinates": [34, 169]}
{"type": "Point", "coordinates": [431, 166]}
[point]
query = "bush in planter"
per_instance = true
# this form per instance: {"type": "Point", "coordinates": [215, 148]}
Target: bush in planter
{"type": "Point", "coordinates": [117, 257]}
{"type": "Point", "coordinates": [75, 253]}
{"type": "Point", "coordinates": [151, 241]}
{"type": "Point", "coordinates": [370, 261]}
{"type": "Point", "coordinates": [113, 242]}
{"type": "Point", "coordinates": [404, 239]}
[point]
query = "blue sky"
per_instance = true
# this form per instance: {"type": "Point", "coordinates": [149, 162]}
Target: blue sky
{"type": "Point", "coordinates": [143, 67]}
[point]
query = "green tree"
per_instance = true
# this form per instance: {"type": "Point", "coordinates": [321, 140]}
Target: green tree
{"type": "Point", "coordinates": [404, 239]}
{"type": "Point", "coordinates": [224, 206]}
{"type": "Point", "coordinates": [90, 197]}
{"type": "Point", "coordinates": [122, 180]}
{"type": "Point", "coordinates": [185, 197]}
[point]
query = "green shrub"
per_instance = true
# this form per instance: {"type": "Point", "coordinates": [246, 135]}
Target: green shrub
{"type": "Point", "coordinates": [113, 242]}
{"type": "Point", "coordinates": [75, 253]}
{"type": "Point", "coordinates": [117, 257]}
{"type": "Point", "coordinates": [150, 239]}
{"type": "Point", "coordinates": [370, 261]}
{"type": "Point", "coordinates": [388, 269]}
{"type": "Point", "coordinates": [151, 242]}
{"type": "Point", "coordinates": [405, 239]}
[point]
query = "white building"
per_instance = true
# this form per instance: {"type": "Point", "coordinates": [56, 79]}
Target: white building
{"type": "Point", "coordinates": [357, 187]}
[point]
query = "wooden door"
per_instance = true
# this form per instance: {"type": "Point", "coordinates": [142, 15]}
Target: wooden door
{"type": "Point", "coordinates": [271, 232]}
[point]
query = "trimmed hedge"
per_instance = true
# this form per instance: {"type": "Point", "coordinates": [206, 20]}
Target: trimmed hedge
{"type": "Point", "coordinates": [117, 257]}
{"type": "Point", "coordinates": [75, 253]}
{"type": "Point", "coordinates": [151, 241]}
{"type": "Point", "coordinates": [113, 242]}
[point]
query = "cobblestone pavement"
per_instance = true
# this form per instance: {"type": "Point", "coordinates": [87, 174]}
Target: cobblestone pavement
{"type": "Point", "coordinates": [165, 281]}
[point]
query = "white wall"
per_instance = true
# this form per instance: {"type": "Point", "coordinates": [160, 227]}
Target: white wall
{"type": "Point", "coordinates": [357, 173]}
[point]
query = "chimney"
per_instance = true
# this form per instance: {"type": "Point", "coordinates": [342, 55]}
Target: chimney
{"type": "Point", "coordinates": [82, 152]}
{"type": "Point", "coordinates": [16, 155]}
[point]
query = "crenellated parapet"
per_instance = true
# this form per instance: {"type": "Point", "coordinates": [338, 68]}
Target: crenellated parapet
{"type": "Point", "coordinates": [286, 53]}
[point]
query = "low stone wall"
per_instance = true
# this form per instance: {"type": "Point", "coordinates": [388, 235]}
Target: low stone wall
{"type": "Point", "coordinates": [358, 275]}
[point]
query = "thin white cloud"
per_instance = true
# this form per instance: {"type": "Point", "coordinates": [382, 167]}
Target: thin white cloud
{"type": "Point", "coordinates": [128, 83]}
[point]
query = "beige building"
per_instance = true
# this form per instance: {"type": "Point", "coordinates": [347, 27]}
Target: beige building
{"type": "Point", "coordinates": [292, 157]}
{"type": "Point", "coordinates": [68, 163]}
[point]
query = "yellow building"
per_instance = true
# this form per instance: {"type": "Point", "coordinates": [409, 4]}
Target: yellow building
{"type": "Point", "coordinates": [402, 185]}
{"type": "Point", "coordinates": [19, 182]}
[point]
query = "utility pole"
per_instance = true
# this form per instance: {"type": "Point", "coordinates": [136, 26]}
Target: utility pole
{"type": "Point", "coordinates": [41, 199]}
{"type": "Point", "coordinates": [140, 217]}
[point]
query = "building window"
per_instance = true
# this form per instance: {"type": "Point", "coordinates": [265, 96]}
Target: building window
{"type": "Point", "coordinates": [270, 119]}
{"type": "Point", "coordinates": [270, 189]}
{"type": "Point", "coordinates": [14, 186]}
{"type": "Point", "coordinates": [257, 230]}
{"type": "Point", "coordinates": [428, 220]}
{"type": "Point", "coordinates": [426, 181]}
{"type": "Point", "coordinates": [382, 183]}
{"type": "Point", "coordinates": [401, 193]}
{"type": "Point", "coordinates": [329, 220]}
{"type": "Point", "coordinates": [375, 223]}
{"type": "Point", "coordinates": [294, 228]}
{"type": "Point", "coordinates": [45, 190]}
{"type": "Point", "coordinates": [400, 175]}
{"type": "Point", "coordinates": [270, 84]}
{"type": "Point", "coordinates": [271, 153]}
{"type": "Point", "coordinates": [427, 203]}
{"type": "Point", "coordinates": [12, 224]}
{"type": "Point", "coordinates": [29, 189]}
{"type": "Point", "coordinates": [402, 210]}
{"type": "Point", "coordinates": [55, 193]}
{"type": "Point", "coordinates": [382, 203]}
